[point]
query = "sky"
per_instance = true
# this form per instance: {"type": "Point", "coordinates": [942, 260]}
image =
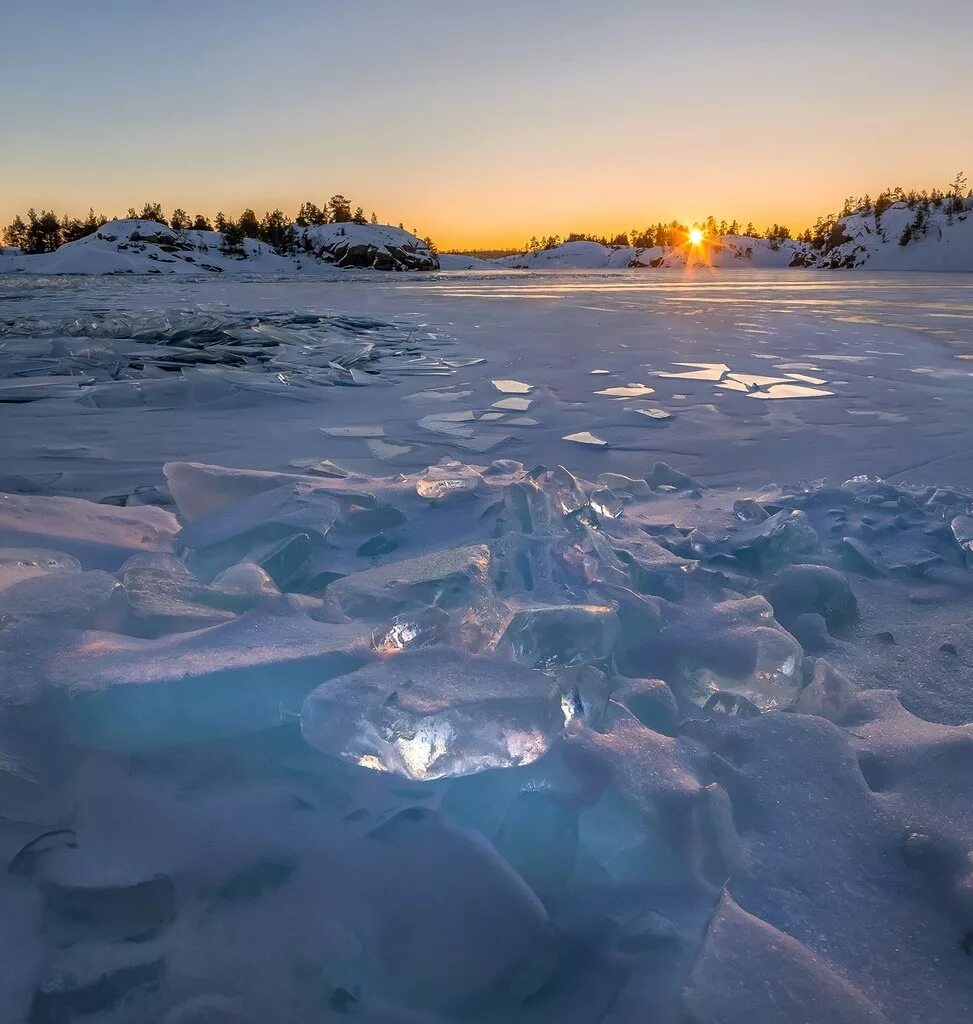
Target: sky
{"type": "Point", "coordinates": [482, 123]}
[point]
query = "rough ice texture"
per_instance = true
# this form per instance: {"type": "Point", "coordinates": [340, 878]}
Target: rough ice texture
{"type": "Point", "coordinates": [154, 781]}
{"type": "Point", "coordinates": [433, 715]}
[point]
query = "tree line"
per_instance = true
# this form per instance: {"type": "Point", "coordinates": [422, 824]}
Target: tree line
{"type": "Point", "coordinates": [47, 230]}
{"type": "Point", "coordinates": [826, 232]}
{"type": "Point", "coordinates": [956, 200]}
{"type": "Point", "coordinates": [664, 234]}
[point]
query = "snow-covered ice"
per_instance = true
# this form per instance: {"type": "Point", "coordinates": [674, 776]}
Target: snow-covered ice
{"type": "Point", "coordinates": [393, 703]}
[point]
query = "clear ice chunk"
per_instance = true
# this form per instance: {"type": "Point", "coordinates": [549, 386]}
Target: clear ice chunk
{"type": "Point", "coordinates": [19, 564]}
{"type": "Point", "coordinates": [606, 503]}
{"type": "Point", "coordinates": [775, 677]}
{"type": "Point", "coordinates": [436, 714]}
{"type": "Point", "coordinates": [548, 636]}
{"type": "Point", "coordinates": [447, 480]}
{"type": "Point", "coordinates": [442, 579]}
{"type": "Point", "coordinates": [565, 491]}
{"type": "Point", "coordinates": [90, 599]}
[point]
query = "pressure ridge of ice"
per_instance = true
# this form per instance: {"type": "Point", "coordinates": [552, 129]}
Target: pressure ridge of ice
{"type": "Point", "coordinates": [485, 742]}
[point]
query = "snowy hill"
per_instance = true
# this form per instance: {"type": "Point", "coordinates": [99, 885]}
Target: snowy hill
{"type": "Point", "coordinates": [147, 247]}
{"type": "Point", "coordinates": [933, 241]}
{"type": "Point", "coordinates": [728, 251]}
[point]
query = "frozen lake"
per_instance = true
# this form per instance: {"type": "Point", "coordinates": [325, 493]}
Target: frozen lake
{"type": "Point", "coordinates": [383, 712]}
{"type": "Point", "coordinates": [890, 348]}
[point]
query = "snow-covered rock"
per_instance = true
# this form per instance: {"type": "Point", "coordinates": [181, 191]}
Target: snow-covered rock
{"type": "Point", "coordinates": [896, 240]}
{"type": "Point", "coordinates": [377, 246]}
{"type": "Point", "coordinates": [460, 261]}
{"type": "Point", "coordinates": [147, 247]}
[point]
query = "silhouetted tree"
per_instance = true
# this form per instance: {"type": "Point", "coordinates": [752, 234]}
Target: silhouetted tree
{"type": "Point", "coordinates": [153, 211]}
{"type": "Point", "coordinates": [358, 217]}
{"type": "Point", "coordinates": [249, 224]}
{"type": "Point", "coordinates": [15, 233]}
{"type": "Point", "coordinates": [340, 209]}
{"type": "Point", "coordinates": [200, 223]}
{"type": "Point", "coordinates": [311, 215]}
{"type": "Point", "coordinates": [275, 230]}
{"type": "Point", "coordinates": [233, 236]}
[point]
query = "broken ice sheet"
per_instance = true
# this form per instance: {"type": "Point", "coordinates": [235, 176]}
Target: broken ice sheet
{"type": "Point", "coordinates": [435, 714]}
{"type": "Point", "coordinates": [513, 387]}
{"type": "Point", "coordinates": [482, 442]}
{"type": "Point", "coordinates": [386, 449]}
{"type": "Point", "coordinates": [450, 423]}
{"type": "Point", "coordinates": [354, 431]}
{"type": "Point", "coordinates": [598, 373]}
{"type": "Point", "coordinates": [319, 467]}
{"type": "Point", "coordinates": [585, 437]}
{"type": "Point", "coordinates": [121, 693]}
{"type": "Point", "coordinates": [514, 404]}
{"type": "Point", "coordinates": [628, 391]}
{"type": "Point", "coordinates": [790, 391]}
{"type": "Point", "coordinates": [650, 412]}
{"type": "Point", "coordinates": [522, 421]}
{"type": "Point", "coordinates": [700, 371]}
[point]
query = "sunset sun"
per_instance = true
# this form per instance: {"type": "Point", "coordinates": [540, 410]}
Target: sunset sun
{"type": "Point", "coordinates": [695, 236]}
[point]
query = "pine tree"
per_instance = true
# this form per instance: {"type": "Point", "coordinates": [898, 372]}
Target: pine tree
{"type": "Point", "coordinates": [15, 233]}
{"type": "Point", "coordinates": [220, 222]}
{"type": "Point", "coordinates": [249, 224]}
{"type": "Point", "coordinates": [233, 237]}
{"type": "Point", "coordinates": [275, 230]}
{"type": "Point", "coordinates": [359, 216]}
{"type": "Point", "coordinates": [373, 219]}
{"type": "Point", "coordinates": [153, 211]}
{"type": "Point", "coordinates": [340, 209]}
{"type": "Point", "coordinates": [179, 220]}
{"type": "Point", "coordinates": [200, 223]}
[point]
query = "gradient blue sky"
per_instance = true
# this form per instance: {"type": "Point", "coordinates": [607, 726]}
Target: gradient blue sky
{"type": "Point", "coordinates": [482, 123]}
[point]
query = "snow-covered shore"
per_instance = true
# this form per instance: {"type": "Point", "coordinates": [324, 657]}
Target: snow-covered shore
{"type": "Point", "coordinates": [940, 241]}
{"type": "Point", "coordinates": [146, 247]}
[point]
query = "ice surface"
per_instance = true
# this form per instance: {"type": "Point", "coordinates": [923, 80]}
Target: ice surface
{"type": "Point", "coordinates": [715, 734]}
{"type": "Point", "coordinates": [434, 715]}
